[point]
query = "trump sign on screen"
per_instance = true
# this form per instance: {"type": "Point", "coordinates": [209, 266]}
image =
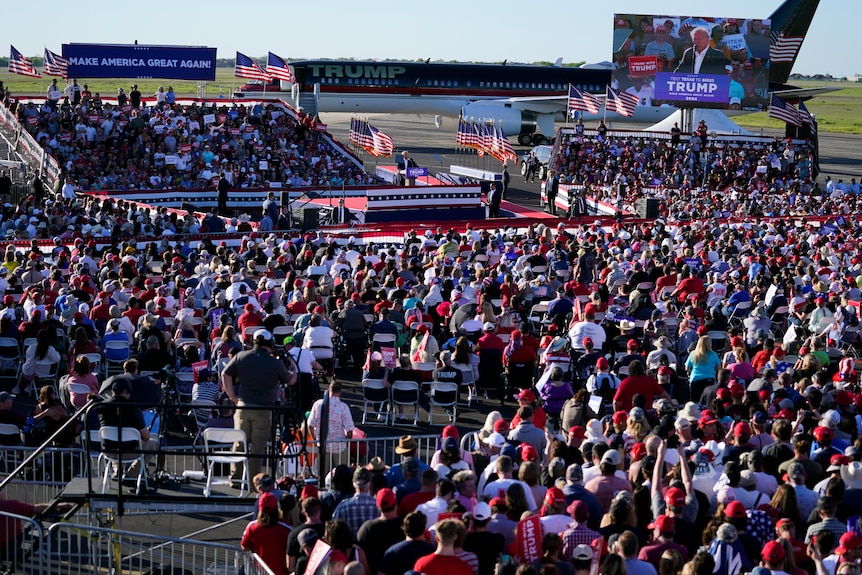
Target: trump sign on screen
{"type": "Point", "coordinates": [692, 61]}
{"type": "Point", "coordinates": [139, 61]}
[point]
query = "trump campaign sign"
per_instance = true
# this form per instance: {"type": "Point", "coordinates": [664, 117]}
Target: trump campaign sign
{"type": "Point", "coordinates": [140, 61]}
{"type": "Point", "coordinates": [640, 66]}
{"type": "Point", "coordinates": [699, 88]}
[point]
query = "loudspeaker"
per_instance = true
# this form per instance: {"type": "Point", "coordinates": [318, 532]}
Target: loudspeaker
{"type": "Point", "coordinates": [307, 218]}
{"type": "Point", "coordinates": [647, 208]}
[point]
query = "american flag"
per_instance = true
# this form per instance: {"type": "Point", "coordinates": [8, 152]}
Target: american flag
{"type": "Point", "coordinates": [461, 135]}
{"type": "Point", "coordinates": [276, 67]}
{"type": "Point", "coordinates": [508, 152]}
{"type": "Point", "coordinates": [807, 118]}
{"type": "Point", "coordinates": [583, 101]}
{"type": "Point", "coordinates": [247, 68]}
{"type": "Point", "coordinates": [783, 48]}
{"type": "Point", "coordinates": [55, 65]}
{"type": "Point", "coordinates": [18, 64]}
{"type": "Point", "coordinates": [381, 142]}
{"type": "Point", "coordinates": [621, 102]}
{"type": "Point", "coordinates": [781, 110]}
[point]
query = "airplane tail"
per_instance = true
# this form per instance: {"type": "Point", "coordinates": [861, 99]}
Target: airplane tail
{"type": "Point", "coordinates": [789, 25]}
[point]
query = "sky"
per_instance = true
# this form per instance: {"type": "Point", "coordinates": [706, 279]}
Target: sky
{"type": "Point", "coordinates": [461, 30]}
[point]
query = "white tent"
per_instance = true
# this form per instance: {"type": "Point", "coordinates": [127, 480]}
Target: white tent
{"type": "Point", "coordinates": [715, 119]}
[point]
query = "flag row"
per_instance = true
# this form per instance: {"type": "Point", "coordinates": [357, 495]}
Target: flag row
{"type": "Point", "coordinates": [615, 101]}
{"type": "Point", "coordinates": [53, 65]}
{"type": "Point", "coordinates": [486, 139]}
{"type": "Point", "coordinates": [276, 67]}
{"type": "Point", "coordinates": [369, 138]}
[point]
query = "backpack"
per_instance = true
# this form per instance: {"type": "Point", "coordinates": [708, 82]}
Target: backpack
{"type": "Point", "coordinates": [605, 391]}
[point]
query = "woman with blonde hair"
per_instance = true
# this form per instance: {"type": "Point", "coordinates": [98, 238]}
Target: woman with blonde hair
{"type": "Point", "coordinates": [486, 314]}
{"type": "Point", "coordinates": [637, 428]}
{"type": "Point", "coordinates": [702, 366]}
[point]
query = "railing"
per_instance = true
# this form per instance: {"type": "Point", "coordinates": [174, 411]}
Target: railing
{"type": "Point", "coordinates": [72, 550]}
{"type": "Point", "coordinates": [20, 552]}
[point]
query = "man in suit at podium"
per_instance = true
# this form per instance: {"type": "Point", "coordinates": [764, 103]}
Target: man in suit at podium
{"type": "Point", "coordinates": [700, 58]}
{"type": "Point", "coordinates": [341, 215]}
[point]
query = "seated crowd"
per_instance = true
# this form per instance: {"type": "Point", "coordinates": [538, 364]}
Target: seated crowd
{"type": "Point", "coordinates": [107, 146]}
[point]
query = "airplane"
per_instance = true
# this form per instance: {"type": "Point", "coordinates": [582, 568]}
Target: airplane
{"type": "Point", "coordinates": [525, 100]}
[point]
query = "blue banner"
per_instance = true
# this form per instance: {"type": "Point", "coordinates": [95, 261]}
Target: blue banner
{"type": "Point", "coordinates": [699, 88]}
{"type": "Point", "coordinates": [138, 61]}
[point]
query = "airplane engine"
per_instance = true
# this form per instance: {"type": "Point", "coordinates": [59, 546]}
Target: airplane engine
{"type": "Point", "coordinates": [515, 122]}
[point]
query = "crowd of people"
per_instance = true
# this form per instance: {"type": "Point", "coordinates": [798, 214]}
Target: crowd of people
{"type": "Point", "coordinates": [687, 391]}
{"type": "Point", "coordinates": [701, 177]}
{"type": "Point", "coordinates": [128, 144]}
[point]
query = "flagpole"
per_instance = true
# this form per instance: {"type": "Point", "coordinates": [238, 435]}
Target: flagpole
{"type": "Point", "coordinates": [568, 112]}
{"type": "Point", "coordinates": [605, 116]}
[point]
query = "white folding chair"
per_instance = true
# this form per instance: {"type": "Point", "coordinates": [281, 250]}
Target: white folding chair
{"type": "Point", "coordinates": [372, 391]}
{"type": "Point", "coordinates": [185, 383]}
{"type": "Point", "coordinates": [443, 394]}
{"type": "Point", "coordinates": [406, 394]}
{"type": "Point", "coordinates": [95, 361]}
{"type": "Point", "coordinates": [114, 452]}
{"type": "Point", "coordinates": [77, 389]}
{"type": "Point", "coordinates": [201, 413]}
{"type": "Point", "coordinates": [225, 446]}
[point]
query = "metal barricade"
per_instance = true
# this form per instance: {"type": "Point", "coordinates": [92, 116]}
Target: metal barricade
{"type": "Point", "coordinates": [357, 451]}
{"type": "Point", "coordinates": [45, 477]}
{"type": "Point", "coordinates": [73, 549]}
{"type": "Point", "coordinates": [22, 552]}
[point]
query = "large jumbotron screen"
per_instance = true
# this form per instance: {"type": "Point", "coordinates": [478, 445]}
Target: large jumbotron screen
{"type": "Point", "coordinates": [692, 61]}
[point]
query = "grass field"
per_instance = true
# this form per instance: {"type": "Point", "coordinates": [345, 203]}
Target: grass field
{"type": "Point", "coordinates": [838, 112]}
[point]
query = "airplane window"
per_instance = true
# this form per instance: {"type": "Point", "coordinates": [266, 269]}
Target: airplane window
{"type": "Point", "coordinates": [455, 83]}
{"type": "Point", "coordinates": [495, 84]}
{"type": "Point", "coordinates": [534, 85]}
{"type": "Point", "coordinates": [396, 82]}
{"type": "Point", "coordinates": [521, 85]}
{"type": "Point", "coordinates": [469, 83]}
{"type": "Point", "coordinates": [508, 85]}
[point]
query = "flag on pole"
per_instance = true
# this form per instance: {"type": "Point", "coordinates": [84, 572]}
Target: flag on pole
{"type": "Point", "coordinates": [508, 152]}
{"type": "Point", "coordinates": [276, 67]}
{"type": "Point", "coordinates": [583, 101]}
{"type": "Point", "coordinates": [55, 65]}
{"type": "Point", "coordinates": [381, 142]}
{"type": "Point", "coordinates": [18, 64]}
{"type": "Point", "coordinates": [247, 68]}
{"type": "Point", "coordinates": [461, 134]}
{"type": "Point", "coordinates": [621, 102]}
{"type": "Point", "coordinates": [807, 118]}
{"type": "Point", "coordinates": [781, 110]}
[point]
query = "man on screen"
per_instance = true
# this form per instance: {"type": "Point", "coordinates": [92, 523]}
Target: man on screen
{"type": "Point", "coordinates": [700, 58]}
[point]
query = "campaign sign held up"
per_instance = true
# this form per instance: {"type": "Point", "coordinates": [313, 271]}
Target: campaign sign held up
{"type": "Point", "coordinates": [700, 88]}
{"type": "Point", "coordinates": [140, 61]}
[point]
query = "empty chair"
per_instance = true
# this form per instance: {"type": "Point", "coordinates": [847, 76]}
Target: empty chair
{"type": "Point", "coordinates": [739, 313]}
{"type": "Point", "coordinates": [443, 394]}
{"type": "Point", "coordinates": [718, 340]}
{"type": "Point", "coordinates": [116, 354]}
{"type": "Point", "coordinates": [185, 383]}
{"type": "Point", "coordinates": [406, 394]}
{"type": "Point", "coordinates": [10, 356]}
{"type": "Point", "coordinates": [225, 446]}
{"type": "Point", "coordinates": [375, 396]}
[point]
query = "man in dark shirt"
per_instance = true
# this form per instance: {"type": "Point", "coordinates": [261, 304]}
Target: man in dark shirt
{"type": "Point", "coordinates": [378, 535]}
{"type": "Point", "coordinates": [311, 508]}
{"type": "Point", "coordinates": [135, 97]}
{"type": "Point", "coordinates": [116, 412]}
{"type": "Point", "coordinates": [154, 358]}
{"type": "Point", "coordinates": [486, 545]}
{"type": "Point", "coordinates": [401, 557]}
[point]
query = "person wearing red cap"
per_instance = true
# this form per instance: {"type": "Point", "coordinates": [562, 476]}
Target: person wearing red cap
{"type": "Point", "coordinates": [554, 516]}
{"type": "Point", "coordinates": [772, 557]}
{"type": "Point", "coordinates": [267, 536]}
{"type": "Point", "coordinates": [741, 436]}
{"type": "Point", "coordinates": [825, 451]}
{"type": "Point", "coordinates": [248, 319]}
{"type": "Point", "coordinates": [578, 533]}
{"type": "Point", "coordinates": [527, 398]}
{"type": "Point", "coordinates": [664, 530]}
{"type": "Point", "coordinates": [603, 383]}
{"type": "Point", "coordinates": [637, 382]}
{"type": "Point", "coordinates": [848, 552]}
{"type": "Point", "coordinates": [375, 536]}
{"type": "Point", "coordinates": [707, 426]}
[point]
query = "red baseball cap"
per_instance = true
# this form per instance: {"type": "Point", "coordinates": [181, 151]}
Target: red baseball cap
{"type": "Point", "coordinates": [577, 431]}
{"type": "Point", "coordinates": [707, 417]}
{"type": "Point", "coordinates": [723, 394]}
{"type": "Point", "coordinates": [386, 499]}
{"type": "Point", "coordinates": [638, 451]}
{"type": "Point", "coordinates": [785, 414]}
{"type": "Point", "coordinates": [308, 491]}
{"type": "Point", "coordinates": [632, 344]}
{"type": "Point", "coordinates": [736, 390]}
{"type": "Point", "coordinates": [529, 453]}
{"type": "Point", "coordinates": [849, 541]}
{"type": "Point", "coordinates": [742, 429]}
{"type": "Point", "coordinates": [734, 510]}
{"type": "Point", "coordinates": [602, 363]}
{"type": "Point", "coordinates": [501, 426]}
{"type": "Point", "coordinates": [554, 495]}
{"type": "Point", "coordinates": [701, 330]}
{"type": "Point", "coordinates": [675, 497]}
{"type": "Point", "coordinates": [526, 395]}
{"type": "Point", "coordinates": [773, 551]}
{"type": "Point", "coordinates": [663, 523]}
{"type": "Point", "coordinates": [821, 433]}
{"type": "Point", "coordinates": [620, 417]}
{"type": "Point", "coordinates": [587, 341]}
{"type": "Point", "coordinates": [450, 431]}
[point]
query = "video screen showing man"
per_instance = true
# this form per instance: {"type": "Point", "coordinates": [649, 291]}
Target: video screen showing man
{"type": "Point", "coordinates": [702, 58]}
